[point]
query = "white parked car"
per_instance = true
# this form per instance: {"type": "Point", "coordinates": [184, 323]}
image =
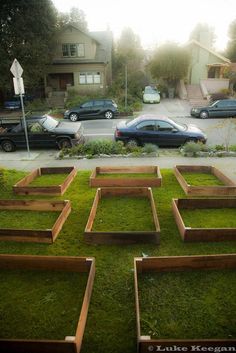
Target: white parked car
{"type": "Point", "coordinates": [151, 95]}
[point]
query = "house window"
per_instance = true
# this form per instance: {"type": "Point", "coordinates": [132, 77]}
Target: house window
{"type": "Point", "coordinates": [73, 50]}
{"type": "Point", "coordinates": [89, 78]}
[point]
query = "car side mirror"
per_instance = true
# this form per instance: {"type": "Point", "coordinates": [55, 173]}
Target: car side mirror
{"type": "Point", "coordinates": [216, 106]}
{"type": "Point", "coordinates": [174, 130]}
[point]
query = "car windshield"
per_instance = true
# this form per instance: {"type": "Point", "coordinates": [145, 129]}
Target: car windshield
{"type": "Point", "coordinates": [132, 122]}
{"type": "Point", "coordinates": [150, 90]}
{"type": "Point", "coordinates": [49, 122]}
{"type": "Point", "coordinates": [180, 127]}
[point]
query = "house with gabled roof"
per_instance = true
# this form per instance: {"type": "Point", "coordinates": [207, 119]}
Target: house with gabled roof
{"type": "Point", "coordinates": [207, 71]}
{"type": "Point", "coordinates": [81, 61]}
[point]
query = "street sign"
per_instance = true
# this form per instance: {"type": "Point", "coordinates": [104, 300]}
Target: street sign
{"type": "Point", "coordinates": [18, 85]}
{"type": "Point", "coordinates": [16, 69]}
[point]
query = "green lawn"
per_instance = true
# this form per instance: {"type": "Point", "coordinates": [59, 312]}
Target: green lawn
{"type": "Point", "coordinates": [39, 303]}
{"type": "Point", "coordinates": [111, 323]}
{"type": "Point", "coordinates": [209, 218]}
{"type": "Point", "coordinates": [123, 214]}
{"type": "Point", "coordinates": [126, 175]}
{"type": "Point", "coordinates": [27, 219]}
{"type": "Point", "coordinates": [199, 304]}
{"type": "Point", "coordinates": [201, 179]}
{"type": "Point", "coordinates": [49, 180]}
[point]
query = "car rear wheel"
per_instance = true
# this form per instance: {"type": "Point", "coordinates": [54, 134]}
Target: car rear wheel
{"type": "Point", "coordinates": [74, 117]}
{"type": "Point", "coordinates": [64, 143]}
{"type": "Point", "coordinates": [109, 114]}
{"type": "Point", "coordinates": [132, 143]}
{"type": "Point", "coordinates": [204, 114]}
{"type": "Point", "coordinates": [8, 146]}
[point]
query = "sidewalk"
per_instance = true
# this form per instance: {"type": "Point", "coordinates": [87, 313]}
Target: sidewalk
{"type": "Point", "coordinates": [19, 161]}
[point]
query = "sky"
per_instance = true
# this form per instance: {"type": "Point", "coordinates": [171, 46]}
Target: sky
{"type": "Point", "coordinates": [156, 21]}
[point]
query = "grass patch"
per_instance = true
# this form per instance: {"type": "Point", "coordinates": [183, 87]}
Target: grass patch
{"type": "Point", "coordinates": [49, 180]}
{"type": "Point", "coordinates": [201, 179]}
{"type": "Point", "coordinates": [27, 219]}
{"type": "Point", "coordinates": [126, 175]}
{"type": "Point", "coordinates": [193, 305]}
{"type": "Point", "coordinates": [123, 214]}
{"type": "Point", "coordinates": [40, 304]}
{"type": "Point", "coordinates": [209, 218]}
{"type": "Point", "coordinates": [111, 325]}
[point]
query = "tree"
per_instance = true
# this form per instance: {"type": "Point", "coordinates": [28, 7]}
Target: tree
{"type": "Point", "coordinates": [76, 17]}
{"type": "Point", "coordinates": [231, 47]}
{"type": "Point", "coordinates": [201, 28]}
{"type": "Point", "coordinates": [128, 52]}
{"type": "Point", "coordinates": [170, 63]}
{"type": "Point", "coordinates": [27, 37]}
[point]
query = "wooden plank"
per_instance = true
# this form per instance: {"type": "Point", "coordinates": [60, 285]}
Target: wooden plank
{"type": "Point", "coordinates": [23, 187]}
{"type": "Point", "coordinates": [57, 263]}
{"type": "Point", "coordinates": [85, 306]}
{"type": "Point", "coordinates": [178, 263]}
{"type": "Point", "coordinates": [36, 262]}
{"type": "Point", "coordinates": [154, 212]}
{"type": "Point", "coordinates": [61, 219]}
{"type": "Point", "coordinates": [119, 237]}
{"type": "Point", "coordinates": [95, 181]}
{"type": "Point", "coordinates": [178, 219]}
{"type": "Point", "coordinates": [93, 211]}
{"type": "Point", "coordinates": [203, 234]}
{"type": "Point", "coordinates": [35, 235]}
{"type": "Point", "coordinates": [26, 180]}
{"type": "Point", "coordinates": [68, 180]}
{"type": "Point", "coordinates": [183, 263]}
{"type": "Point", "coordinates": [228, 189]}
{"type": "Point", "coordinates": [218, 174]}
{"type": "Point", "coordinates": [36, 346]}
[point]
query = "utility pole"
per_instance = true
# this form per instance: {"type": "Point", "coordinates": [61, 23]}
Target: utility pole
{"type": "Point", "coordinates": [126, 86]}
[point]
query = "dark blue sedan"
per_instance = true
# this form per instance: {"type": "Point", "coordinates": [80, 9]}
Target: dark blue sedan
{"type": "Point", "coordinates": [161, 131]}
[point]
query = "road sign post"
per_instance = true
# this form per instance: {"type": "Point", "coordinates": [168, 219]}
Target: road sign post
{"type": "Point", "coordinates": [17, 72]}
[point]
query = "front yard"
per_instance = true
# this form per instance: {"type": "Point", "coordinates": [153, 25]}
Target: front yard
{"type": "Point", "coordinates": [111, 326]}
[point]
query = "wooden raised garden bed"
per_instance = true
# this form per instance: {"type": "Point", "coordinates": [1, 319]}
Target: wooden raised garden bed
{"type": "Point", "coordinates": [136, 176]}
{"type": "Point", "coordinates": [166, 264]}
{"type": "Point", "coordinates": [204, 233]}
{"type": "Point", "coordinates": [23, 186]}
{"type": "Point", "coordinates": [228, 187]}
{"type": "Point", "coordinates": [123, 237]}
{"type": "Point", "coordinates": [63, 208]}
{"type": "Point", "coordinates": [50, 263]}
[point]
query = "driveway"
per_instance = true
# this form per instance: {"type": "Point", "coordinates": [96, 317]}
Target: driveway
{"type": "Point", "coordinates": [173, 108]}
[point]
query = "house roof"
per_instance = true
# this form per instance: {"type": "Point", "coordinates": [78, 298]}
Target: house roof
{"type": "Point", "coordinates": [195, 42]}
{"type": "Point", "coordinates": [103, 51]}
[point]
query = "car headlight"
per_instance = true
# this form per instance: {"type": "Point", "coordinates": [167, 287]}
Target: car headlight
{"type": "Point", "coordinates": [66, 112]}
{"type": "Point", "coordinates": [195, 110]}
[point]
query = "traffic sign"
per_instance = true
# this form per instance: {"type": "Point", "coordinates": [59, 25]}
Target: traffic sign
{"type": "Point", "coordinates": [16, 69]}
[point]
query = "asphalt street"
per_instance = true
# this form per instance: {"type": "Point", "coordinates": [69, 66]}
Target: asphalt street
{"type": "Point", "coordinates": [216, 130]}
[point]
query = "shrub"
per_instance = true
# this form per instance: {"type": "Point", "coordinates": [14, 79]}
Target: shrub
{"type": "Point", "coordinates": [216, 96]}
{"type": "Point", "coordinates": [132, 147]}
{"type": "Point", "coordinates": [37, 104]}
{"type": "Point", "coordinates": [232, 148]}
{"type": "Point", "coordinates": [219, 147]}
{"type": "Point", "coordinates": [191, 148]}
{"type": "Point", "coordinates": [150, 148]}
